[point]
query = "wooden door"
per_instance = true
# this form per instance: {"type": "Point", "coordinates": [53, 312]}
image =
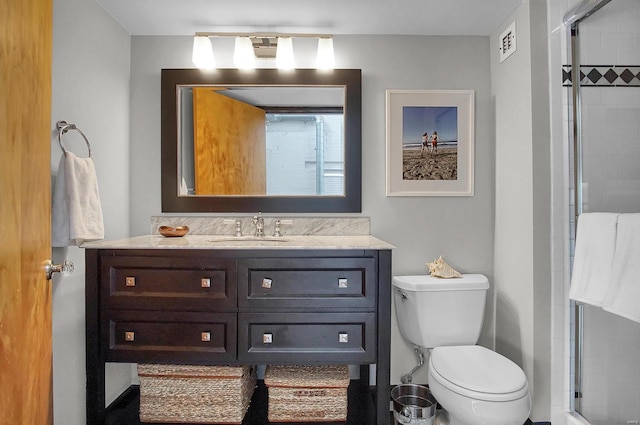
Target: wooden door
{"type": "Point", "coordinates": [229, 144]}
{"type": "Point", "coordinates": [25, 230]}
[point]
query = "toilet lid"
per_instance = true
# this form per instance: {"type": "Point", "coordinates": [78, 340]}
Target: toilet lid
{"type": "Point", "coordinates": [478, 372]}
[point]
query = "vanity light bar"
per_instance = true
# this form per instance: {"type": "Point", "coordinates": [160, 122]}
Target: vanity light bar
{"type": "Point", "coordinates": [249, 46]}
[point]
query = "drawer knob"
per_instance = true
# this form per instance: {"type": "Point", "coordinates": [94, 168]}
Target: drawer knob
{"type": "Point", "coordinates": [267, 338]}
{"type": "Point", "coordinates": [266, 283]}
{"type": "Point", "coordinates": [205, 282]}
{"type": "Point", "coordinates": [129, 336]}
{"type": "Point", "coordinates": [130, 281]}
{"type": "Point", "coordinates": [205, 336]}
{"type": "Point", "coordinates": [343, 282]}
{"type": "Point", "coordinates": [343, 337]}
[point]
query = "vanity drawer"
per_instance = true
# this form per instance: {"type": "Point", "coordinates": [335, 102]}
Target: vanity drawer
{"type": "Point", "coordinates": [185, 284]}
{"type": "Point", "coordinates": [306, 337]}
{"type": "Point", "coordinates": [144, 336]}
{"type": "Point", "coordinates": [303, 283]}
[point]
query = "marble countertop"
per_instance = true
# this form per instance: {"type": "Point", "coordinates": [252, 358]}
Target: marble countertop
{"type": "Point", "coordinates": [230, 242]}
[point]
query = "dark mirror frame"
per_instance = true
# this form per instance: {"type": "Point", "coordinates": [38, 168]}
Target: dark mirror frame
{"type": "Point", "coordinates": [350, 202]}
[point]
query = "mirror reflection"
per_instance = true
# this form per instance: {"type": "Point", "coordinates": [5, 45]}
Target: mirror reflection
{"type": "Point", "coordinates": [238, 140]}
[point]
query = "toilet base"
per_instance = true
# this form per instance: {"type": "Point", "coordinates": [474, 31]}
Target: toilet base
{"type": "Point", "coordinates": [442, 417]}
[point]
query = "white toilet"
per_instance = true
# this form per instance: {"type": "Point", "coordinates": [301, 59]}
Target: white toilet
{"type": "Point", "coordinates": [475, 385]}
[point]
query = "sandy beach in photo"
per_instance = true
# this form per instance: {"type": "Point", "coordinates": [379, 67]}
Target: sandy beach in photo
{"type": "Point", "coordinates": [440, 166]}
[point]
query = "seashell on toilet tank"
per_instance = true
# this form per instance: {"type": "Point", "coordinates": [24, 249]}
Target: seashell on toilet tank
{"type": "Point", "coordinates": [440, 268]}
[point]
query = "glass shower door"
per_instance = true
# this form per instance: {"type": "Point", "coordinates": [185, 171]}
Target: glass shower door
{"type": "Point", "coordinates": [607, 44]}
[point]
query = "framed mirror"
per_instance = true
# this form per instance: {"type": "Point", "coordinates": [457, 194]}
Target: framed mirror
{"type": "Point", "coordinates": [262, 140]}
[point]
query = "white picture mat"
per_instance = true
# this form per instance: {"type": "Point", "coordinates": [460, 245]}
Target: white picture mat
{"type": "Point", "coordinates": [463, 100]}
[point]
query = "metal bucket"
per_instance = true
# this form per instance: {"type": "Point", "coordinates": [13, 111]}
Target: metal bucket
{"type": "Point", "coordinates": [413, 404]}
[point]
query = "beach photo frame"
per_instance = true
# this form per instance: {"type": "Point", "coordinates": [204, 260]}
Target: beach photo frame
{"type": "Point", "coordinates": [430, 142]}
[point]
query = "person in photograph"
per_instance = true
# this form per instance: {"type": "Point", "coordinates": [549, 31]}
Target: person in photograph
{"type": "Point", "coordinates": [425, 144]}
{"type": "Point", "coordinates": [434, 143]}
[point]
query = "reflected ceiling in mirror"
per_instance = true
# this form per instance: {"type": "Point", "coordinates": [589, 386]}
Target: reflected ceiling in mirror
{"type": "Point", "coordinates": [262, 140]}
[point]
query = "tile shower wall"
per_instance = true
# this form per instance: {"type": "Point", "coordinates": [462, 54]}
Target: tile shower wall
{"type": "Point", "coordinates": [610, 54]}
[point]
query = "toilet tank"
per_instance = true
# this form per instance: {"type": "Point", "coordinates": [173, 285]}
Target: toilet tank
{"type": "Point", "coordinates": [433, 312]}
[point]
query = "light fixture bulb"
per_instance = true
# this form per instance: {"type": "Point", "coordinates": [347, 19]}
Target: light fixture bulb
{"type": "Point", "coordinates": [202, 56]}
{"type": "Point", "coordinates": [284, 53]}
{"type": "Point", "coordinates": [243, 55]}
{"type": "Point", "coordinates": [325, 58]}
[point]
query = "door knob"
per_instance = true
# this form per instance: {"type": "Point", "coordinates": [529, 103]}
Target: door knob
{"type": "Point", "coordinates": [66, 268]}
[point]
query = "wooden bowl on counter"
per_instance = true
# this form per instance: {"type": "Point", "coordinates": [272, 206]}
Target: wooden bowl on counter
{"type": "Point", "coordinates": [173, 232]}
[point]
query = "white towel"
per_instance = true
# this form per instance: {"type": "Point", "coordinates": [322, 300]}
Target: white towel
{"type": "Point", "coordinates": [623, 295]}
{"type": "Point", "coordinates": [76, 215]}
{"type": "Point", "coordinates": [593, 258]}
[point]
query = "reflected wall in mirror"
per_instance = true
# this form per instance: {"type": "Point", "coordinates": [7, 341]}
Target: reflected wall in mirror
{"type": "Point", "coordinates": [262, 140]}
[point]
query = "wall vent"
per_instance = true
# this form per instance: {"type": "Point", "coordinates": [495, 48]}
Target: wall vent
{"type": "Point", "coordinates": [507, 42]}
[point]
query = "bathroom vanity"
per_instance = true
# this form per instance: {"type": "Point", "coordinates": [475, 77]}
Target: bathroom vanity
{"type": "Point", "coordinates": [224, 301]}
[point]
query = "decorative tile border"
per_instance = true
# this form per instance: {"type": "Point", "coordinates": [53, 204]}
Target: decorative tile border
{"type": "Point", "coordinates": [604, 76]}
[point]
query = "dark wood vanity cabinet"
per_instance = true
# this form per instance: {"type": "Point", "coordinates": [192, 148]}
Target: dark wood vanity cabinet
{"type": "Point", "coordinates": [246, 306]}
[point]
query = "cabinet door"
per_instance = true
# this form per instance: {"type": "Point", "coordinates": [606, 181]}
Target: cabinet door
{"type": "Point", "coordinates": [144, 336]}
{"type": "Point", "coordinates": [306, 337]}
{"type": "Point", "coordinates": [178, 284]}
{"type": "Point", "coordinates": [303, 283]}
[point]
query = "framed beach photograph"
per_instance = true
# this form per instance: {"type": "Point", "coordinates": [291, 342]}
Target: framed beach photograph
{"type": "Point", "coordinates": [430, 148]}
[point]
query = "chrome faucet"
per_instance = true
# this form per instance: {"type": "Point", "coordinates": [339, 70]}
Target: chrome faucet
{"type": "Point", "coordinates": [237, 222]}
{"type": "Point", "coordinates": [258, 221]}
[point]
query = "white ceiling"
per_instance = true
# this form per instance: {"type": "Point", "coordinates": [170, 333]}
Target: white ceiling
{"type": "Point", "coordinates": [426, 17]}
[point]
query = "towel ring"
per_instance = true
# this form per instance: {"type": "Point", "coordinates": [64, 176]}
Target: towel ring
{"type": "Point", "coordinates": [63, 127]}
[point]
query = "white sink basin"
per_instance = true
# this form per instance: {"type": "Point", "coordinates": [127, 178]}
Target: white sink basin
{"type": "Point", "coordinates": [254, 239]}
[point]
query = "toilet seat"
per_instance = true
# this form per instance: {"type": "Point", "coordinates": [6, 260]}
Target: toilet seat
{"type": "Point", "coordinates": [478, 373]}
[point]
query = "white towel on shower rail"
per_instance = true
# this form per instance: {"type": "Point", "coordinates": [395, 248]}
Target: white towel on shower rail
{"type": "Point", "coordinates": [76, 214]}
{"type": "Point", "coordinates": [623, 294]}
{"type": "Point", "coordinates": [593, 258]}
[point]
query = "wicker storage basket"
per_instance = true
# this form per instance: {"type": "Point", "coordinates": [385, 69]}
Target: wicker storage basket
{"type": "Point", "coordinates": [307, 393]}
{"type": "Point", "coordinates": [195, 394]}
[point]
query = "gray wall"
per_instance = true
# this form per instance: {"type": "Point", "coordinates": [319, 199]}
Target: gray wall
{"type": "Point", "coordinates": [522, 263]}
{"type": "Point", "coordinates": [422, 228]}
{"type": "Point", "coordinates": [90, 87]}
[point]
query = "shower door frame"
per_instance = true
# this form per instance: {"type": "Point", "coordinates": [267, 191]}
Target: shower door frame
{"type": "Point", "coordinates": [571, 20]}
